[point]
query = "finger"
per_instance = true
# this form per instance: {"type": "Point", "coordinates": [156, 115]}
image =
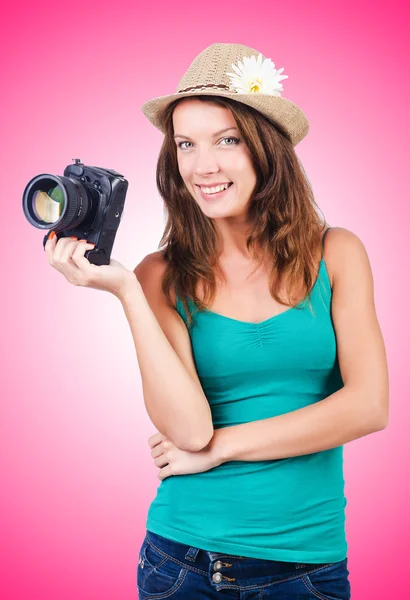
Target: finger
{"type": "Point", "coordinates": [161, 461]}
{"type": "Point", "coordinates": [76, 265]}
{"type": "Point", "coordinates": [59, 256]}
{"type": "Point", "coordinates": [61, 260]}
{"type": "Point", "coordinates": [50, 245]}
{"type": "Point", "coordinates": [54, 247]}
{"type": "Point", "coordinates": [165, 472]}
{"type": "Point", "coordinates": [78, 258]}
{"type": "Point", "coordinates": [155, 439]}
{"type": "Point", "coordinates": [67, 251]}
{"type": "Point", "coordinates": [64, 250]}
{"type": "Point", "coordinates": [157, 451]}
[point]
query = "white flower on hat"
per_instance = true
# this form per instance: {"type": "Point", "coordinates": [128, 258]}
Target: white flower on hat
{"type": "Point", "coordinates": [255, 75]}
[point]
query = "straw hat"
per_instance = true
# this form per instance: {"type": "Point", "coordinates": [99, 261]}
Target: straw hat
{"type": "Point", "coordinates": [254, 81]}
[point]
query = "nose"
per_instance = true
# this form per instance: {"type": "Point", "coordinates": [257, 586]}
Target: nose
{"type": "Point", "coordinates": [206, 163]}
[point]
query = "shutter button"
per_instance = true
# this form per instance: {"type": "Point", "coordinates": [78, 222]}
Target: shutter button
{"type": "Point", "coordinates": [217, 577]}
{"type": "Point", "coordinates": [217, 565]}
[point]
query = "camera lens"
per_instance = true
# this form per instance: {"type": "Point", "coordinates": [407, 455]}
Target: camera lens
{"type": "Point", "coordinates": [56, 202]}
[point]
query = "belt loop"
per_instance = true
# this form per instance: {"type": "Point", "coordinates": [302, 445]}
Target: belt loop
{"type": "Point", "coordinates": [192, 553]}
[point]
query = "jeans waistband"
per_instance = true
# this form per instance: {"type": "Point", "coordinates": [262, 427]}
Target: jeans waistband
{"type": "Point", "coordinates": [231, 566]}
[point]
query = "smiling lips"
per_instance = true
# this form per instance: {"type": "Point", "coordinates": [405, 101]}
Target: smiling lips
{"type": "Point", "coordinates": [213, 191]}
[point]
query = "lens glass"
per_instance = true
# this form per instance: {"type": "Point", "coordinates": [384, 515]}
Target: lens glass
{"type": "Point", "coordinates": [49, 205]}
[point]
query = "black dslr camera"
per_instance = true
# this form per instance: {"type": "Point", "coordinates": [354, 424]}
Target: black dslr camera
{"type": "Point", "coordinates": [87, 202]}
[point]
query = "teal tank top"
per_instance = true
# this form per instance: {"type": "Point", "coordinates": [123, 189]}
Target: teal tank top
{"type": "Point", "coordinates": [289, 509]}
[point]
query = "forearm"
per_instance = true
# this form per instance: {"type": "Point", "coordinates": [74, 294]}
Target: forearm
{"type": "Point", "coordinates": [336, 420]}
{"type": "Point", "coordinates": [172, 399]}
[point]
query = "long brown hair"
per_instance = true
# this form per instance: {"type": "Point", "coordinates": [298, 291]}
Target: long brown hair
{"type": "Point", "coordinates": [284, 225]}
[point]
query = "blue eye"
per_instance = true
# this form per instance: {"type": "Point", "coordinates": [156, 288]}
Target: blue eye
{"type": "Point", "coordinates": [232, 138]}
{"type": "Point", "coordinates": [226, 138]}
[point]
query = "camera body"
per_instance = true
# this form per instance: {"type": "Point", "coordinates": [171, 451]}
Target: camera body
{"type": "Point", "coordinates": [86, 202]}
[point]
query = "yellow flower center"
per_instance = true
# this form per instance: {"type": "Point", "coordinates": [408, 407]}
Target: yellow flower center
{"type": "Point", "coordinates": [255, 86]}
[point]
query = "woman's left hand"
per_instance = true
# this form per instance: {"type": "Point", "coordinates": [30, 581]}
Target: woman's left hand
{"type": "Point", "coordinates": [173, 461]}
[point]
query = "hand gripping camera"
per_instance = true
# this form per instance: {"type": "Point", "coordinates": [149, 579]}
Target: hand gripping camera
{"type": "Point", "coordinates": [86, 202]}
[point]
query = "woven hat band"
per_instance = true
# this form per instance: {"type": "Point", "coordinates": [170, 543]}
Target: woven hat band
{"type": "Point", "coordinates": [218, 86]}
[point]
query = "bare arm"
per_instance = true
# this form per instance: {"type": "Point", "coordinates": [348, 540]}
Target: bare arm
{"type": "Point", "coordinates": [340, 418]}
{"type": "Point", "coordinates": [173, 395]}
{"type": "Point", "coordinates": [360, 407]}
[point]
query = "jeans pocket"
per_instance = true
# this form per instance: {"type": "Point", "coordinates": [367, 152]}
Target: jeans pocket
{"type": "Point", "coordinates": [329, 583]}
{"type": "Point", "coordinates": [158, 576]}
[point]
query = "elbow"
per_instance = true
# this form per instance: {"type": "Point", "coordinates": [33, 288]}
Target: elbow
{"type": "Point", "coordinates": [198, 443]}
{"type": "Point", "coordinates": [383, 422]}
{"type": "Point", "coordinates": [382, 414]}
{"type": "Point", "coordinates": [201, 444]}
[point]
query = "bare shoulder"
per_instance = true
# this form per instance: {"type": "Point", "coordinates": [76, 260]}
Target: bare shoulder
{"type": "Point", "coordinates": [152, 260]}
{"type": "Point", "coordinates": [150, 273]}
{"type": "Point", "coordinates": [343, 250]}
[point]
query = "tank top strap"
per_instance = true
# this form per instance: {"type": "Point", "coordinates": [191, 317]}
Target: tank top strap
{"type": "Point", "coordinates": [323, 241]}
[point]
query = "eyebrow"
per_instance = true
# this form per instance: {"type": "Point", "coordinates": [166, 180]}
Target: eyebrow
{"type": "Point", "coordinates": [215, 134]}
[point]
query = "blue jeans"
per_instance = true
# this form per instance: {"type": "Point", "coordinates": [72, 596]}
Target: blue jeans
{"type": "Point", "coordinates": [168, 569]}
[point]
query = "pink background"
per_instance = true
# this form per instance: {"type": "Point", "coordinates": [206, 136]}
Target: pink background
{"type": "Point", "coordinates": [77, 476]}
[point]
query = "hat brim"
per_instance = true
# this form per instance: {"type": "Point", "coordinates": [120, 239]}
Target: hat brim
{"type": "Point", "coordinates": [275, 108]}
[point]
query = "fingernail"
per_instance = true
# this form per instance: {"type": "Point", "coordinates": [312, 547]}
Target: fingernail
{"type": "Point", "coordinates": [72, 237]}
{"type": "Point", "coordinates": [51, 235]}
{"type": "Point", "coordinates": [82, 240]}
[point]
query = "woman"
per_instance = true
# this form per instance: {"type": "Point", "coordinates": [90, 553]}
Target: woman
{"type": "Point", "coordinates": [258, 344]}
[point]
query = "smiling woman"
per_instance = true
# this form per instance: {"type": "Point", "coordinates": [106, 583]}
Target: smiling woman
{"type": "Point", "coordinates": [257, 200]}
{"type": "Point", "coordinates": [268, 321]}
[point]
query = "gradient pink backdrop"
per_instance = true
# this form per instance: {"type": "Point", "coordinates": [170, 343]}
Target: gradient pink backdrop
{"type": "Point", "coordinates": [77, 476]}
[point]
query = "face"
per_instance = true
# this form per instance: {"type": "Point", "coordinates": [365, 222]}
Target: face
{"type": "Point", "coordinates": [208, 156]}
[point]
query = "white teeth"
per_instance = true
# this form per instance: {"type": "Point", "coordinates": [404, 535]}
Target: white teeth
{"type": "Point", "coordinates": [213, 190]}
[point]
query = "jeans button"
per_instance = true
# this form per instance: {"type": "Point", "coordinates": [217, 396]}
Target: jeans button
{"type": "Point", "coordinates": [217, 565]}
{"type": "Point", "coordinates": [217, 577]}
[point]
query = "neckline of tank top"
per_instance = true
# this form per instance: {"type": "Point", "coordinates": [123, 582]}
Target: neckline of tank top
{"type": "Point", "coordinates": [273, 317]}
